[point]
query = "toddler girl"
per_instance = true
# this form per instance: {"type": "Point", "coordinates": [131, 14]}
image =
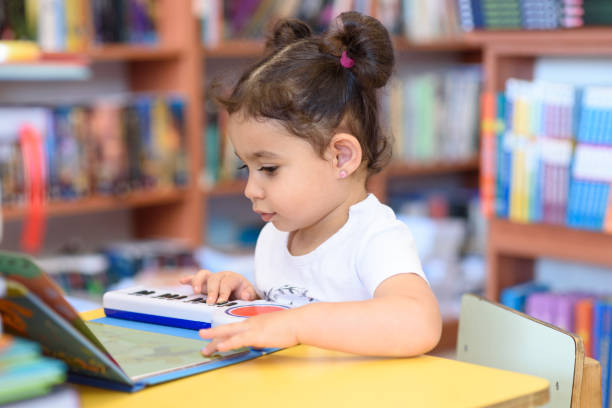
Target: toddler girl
{"type": "Point", "coordinates": [304, 120]}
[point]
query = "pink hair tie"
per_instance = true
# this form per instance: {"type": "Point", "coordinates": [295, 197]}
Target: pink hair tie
{"type": "Point", "coordinates": [345, 61]}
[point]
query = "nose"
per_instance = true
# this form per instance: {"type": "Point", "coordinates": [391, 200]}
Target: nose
{"type": "Point", "coordinates": [252, 191]}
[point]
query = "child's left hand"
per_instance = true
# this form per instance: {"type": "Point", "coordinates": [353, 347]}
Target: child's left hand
{"type": "Point", "coordinates": [274, 329]}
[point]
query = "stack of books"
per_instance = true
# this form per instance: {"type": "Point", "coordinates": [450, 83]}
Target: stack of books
{"type": "Point", "coordinates": [434, 116]}
{"type": "Point", "coordinates": [547, 154]}
{"type": "Point", "coordinates": [106, 147]}
{"type": "Point", "coordinates": [589, 202]}
{"type": "Point", "coordinates": [66, 25]}
{"type": "Point", "coordinates": [252, 19]}
{"type": "Point", "coordinates": [24, 372]}
{"type": "Point", "coordinates": [533, 14]}
{"type": "Point", "coordinates": [124, 21]}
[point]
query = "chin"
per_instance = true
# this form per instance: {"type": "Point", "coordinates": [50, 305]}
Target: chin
{"type": "Point", "coordinates": [282, 227]}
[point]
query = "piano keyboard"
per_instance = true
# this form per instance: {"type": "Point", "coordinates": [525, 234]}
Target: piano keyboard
{"type": "Point", "coordinates": [179, 307]}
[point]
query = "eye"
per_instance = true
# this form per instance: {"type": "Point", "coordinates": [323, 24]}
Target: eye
{"type": "Point", "coordinates": [268, 169]}
{"type": "Point", "coordinates": [244, 166]}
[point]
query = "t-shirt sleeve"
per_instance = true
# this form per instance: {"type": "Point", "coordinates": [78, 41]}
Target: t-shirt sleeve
{"type": "Point", "coordinates": [387, 253]}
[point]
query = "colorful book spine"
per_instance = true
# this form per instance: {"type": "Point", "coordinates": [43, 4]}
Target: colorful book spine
{"type": "Point", "coordinates": [591, 169]}
{"type": "Point", "coordinates": [104, 147]}
{"type": "Point", "coordinates": [516, 296]}
{"type": "Point", "coordinates": [487, 153]}
{"type": "Point", "coordinates": [604, 334]}
{"type": "Point", "coordinates": [583, 323]}
{"type": "Point", "coordinates": [541, 306]}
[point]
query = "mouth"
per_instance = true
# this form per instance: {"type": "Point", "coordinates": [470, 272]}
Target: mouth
{"type": "Point", "coordinates": [266, 216]}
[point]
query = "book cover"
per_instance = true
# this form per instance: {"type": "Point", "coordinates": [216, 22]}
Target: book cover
{"type": "Point", "coordinates": [111, 353]}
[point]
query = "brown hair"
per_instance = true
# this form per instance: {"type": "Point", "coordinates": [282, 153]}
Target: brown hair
{"type": "Point", "coordinates": [300, 83]}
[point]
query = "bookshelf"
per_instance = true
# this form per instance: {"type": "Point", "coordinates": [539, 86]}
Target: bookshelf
{"type": "Point", "coordinates": [132, 53]}
{"type": "Point", "coordinates": [173, 65]}
{"type": "Point", "coordinates": [178, 64]}
{"type": "Point", "coordinates": [99, 203]}
{"type": "Point", "coordinates": [512, 246]}
{"type": "Point", "coordinates": [403, 170]}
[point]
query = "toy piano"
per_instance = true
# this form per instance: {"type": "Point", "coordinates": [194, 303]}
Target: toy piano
{"type": "Point", "coordinates": [180, 307]}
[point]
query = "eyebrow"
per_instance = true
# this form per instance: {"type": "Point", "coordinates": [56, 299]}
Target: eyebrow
{"type": "Point", "coordinates": [261, 154]}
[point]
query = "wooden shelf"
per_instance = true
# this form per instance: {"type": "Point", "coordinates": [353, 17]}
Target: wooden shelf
{"type": "Point", "coordinates": [400, 169]}
{"type": "Point", "coordinates": [582, 41]}
{"type": "Point", "coordinates": [132, 53]}
{"type": "Point", "coordinates": [513, 247]}
{"type": "Point", "coordinates": [584, 35]}
{"type": "Point", "coordinates": [102, 203]}
{"type": "Point", "coordinates": [456, 44]}
{"type": "Point", "coordinates": [116, 52]}
{"type": "Point", "coordinates": [253, 48]}
{"type": "Point", "coordinates": [541, 240]}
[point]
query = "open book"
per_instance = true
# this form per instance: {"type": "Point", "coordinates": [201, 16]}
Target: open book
{"type": "Point", "coordinates": [110, 353]}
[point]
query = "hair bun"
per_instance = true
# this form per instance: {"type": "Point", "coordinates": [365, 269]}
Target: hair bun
{"type": "Point", "coordinates": [287, 31]}
{"type": "Point", "coordinates": [367, 42]}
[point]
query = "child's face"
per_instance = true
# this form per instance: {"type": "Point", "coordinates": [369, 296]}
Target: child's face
{"type": "Point", "coordinates": [289, 183]}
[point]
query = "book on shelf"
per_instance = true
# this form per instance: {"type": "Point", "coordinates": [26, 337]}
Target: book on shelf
{"type": "Point", "coordinates": [18, 50]}
{"type": "Point", "coordinates": [434, 116]}
{"type": "Point", "coordinates": [44, 71]}
{"type": "Point", "coordinates": [532, 15]}
{"type": "Point", "coordinates": [589, 315]}
{"type": "Point", "coordinates": [125, 21]}
{"type": "Point", "coordinates": [552, 159]}
{"type": "Point", "coordinates": [71, 25]}
{"type": "Point", "coordinates": [120, 354]}
{"type": "Point", "coordinates": [488, 162]}
{"type": "Point", "coordinates": [516, 296]}
{"type": "Point", "coordinates": [252, 19]}
{"type": "Point", "coordinates": [591, 168]}
{"type": "Point", "coordinates": [99, 148]}
{"type": "Point", "coordinates": [222, 164]}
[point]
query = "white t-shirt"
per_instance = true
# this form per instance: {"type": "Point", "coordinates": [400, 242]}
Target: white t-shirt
{"type": "Point", "coordinates": [371, 247]}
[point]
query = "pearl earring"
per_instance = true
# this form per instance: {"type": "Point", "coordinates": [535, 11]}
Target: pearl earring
{"type": "Point", "coordinates": [343, 174]}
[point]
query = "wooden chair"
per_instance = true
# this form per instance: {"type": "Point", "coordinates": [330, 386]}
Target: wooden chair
{"type": "Point", "coordinates": [493, 335]}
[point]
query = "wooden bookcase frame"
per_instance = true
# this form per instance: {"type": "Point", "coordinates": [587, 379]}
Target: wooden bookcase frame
{"type": "Point", "coordinates": [513, 247]}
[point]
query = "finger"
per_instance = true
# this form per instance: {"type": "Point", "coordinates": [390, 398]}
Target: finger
{"type": "Point", "coordinates": [199, 279]}
{"type": "Point", "coordinates": [212, 288]}
{"type": "Point", "coordinates": [234, 342]}
{"type": "Point", "coordinates": [226, 286]}
{"type": "Point", "coordinates": [222, 331]}
{"type": "Point", "coordinates": [248, 293]}
{"type": "Point", "coordinates": [186, 279]}
{"type": "Point", "coordinates": [211, 347]}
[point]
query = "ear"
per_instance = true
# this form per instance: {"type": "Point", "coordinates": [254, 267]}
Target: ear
{"type": "Point", "coordinates": [346, 154]}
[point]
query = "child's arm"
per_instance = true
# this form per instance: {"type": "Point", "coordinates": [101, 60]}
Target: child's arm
{"type": "Point", "coordinates": [402, 319]}
{"type": "Point", "coordinates": [219, 286]}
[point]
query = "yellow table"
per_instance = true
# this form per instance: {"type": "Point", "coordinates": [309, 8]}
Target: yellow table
{"type": "Point", "coordinates": [305, 376]}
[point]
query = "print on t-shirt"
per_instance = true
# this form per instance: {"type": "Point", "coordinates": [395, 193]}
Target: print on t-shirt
{"type": "Point", "coordinates": [288, 295]}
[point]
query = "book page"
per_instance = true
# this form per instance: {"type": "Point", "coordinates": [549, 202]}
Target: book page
{"type": "Point", "coordinates": [143, 354]}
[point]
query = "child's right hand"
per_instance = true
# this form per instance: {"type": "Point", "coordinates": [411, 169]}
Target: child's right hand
{"type": "Point", "coordinates": [218, 287]}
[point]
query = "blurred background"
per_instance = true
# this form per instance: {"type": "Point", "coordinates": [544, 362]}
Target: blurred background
{"type": "Point", "coordinates": [114, 168]}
